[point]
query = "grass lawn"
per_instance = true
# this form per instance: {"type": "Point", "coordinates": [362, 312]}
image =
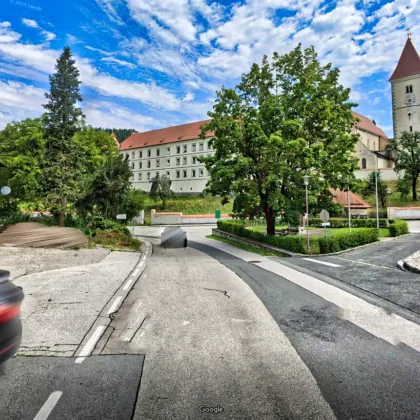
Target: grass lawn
{"type": "Point", "coordinates": [249, 248]}
{"type": "Point", "coordinates": [263, 228]}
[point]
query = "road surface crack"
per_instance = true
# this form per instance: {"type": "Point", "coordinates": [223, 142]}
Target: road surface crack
{"type": "Point", "coordinates": [217, 290]}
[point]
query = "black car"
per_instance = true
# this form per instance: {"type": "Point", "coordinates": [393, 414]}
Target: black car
{"type": "Point", "coordinates": [11, 297]}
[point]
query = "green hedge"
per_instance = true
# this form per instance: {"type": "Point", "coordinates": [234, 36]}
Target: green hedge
{"type": "Point", "coordinates": [398, 227]}
{"type": "Point", "coordinates": [342, 241]}
{"type": "Point", "coordinates": [293, 243]}
{"type": "Point", "coordinates": [344, 223]}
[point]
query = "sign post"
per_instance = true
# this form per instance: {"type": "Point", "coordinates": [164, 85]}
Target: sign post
{"type": "Point", "coordinates": [325, 216]}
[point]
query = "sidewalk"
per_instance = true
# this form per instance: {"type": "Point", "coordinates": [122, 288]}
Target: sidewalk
{"type": "Point", "coordinates": [61, 305]}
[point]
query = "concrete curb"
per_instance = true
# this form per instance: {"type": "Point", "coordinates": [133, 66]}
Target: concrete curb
{"type": "Point", "coordinates": [408, 263]}
{"type": "Point", "coordinates": [221, 233]}
{"type": "Point", "coordinates": [105, 317]}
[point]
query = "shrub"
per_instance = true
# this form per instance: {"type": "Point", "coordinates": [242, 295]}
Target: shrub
{"type": "Point", "coordinates": [398, 228]}
{"type": "Point", "coordinates": [292, 243]}
{"type": "Point", "coordinates": [344, 223]}
{"type": "Point", "coordinates": [346, 240]}
{"type": "Point", "coordinates": [114, 237]}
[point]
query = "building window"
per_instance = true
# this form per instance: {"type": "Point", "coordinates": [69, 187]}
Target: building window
{"type": "Point", "coordinates": [184, 174]}
{"type": "Point", "coordinates": [409, 89]}
{"type": "Point", "coordinates": [168, 150]}
{"type": "Point", "coordinates": [178, 149]}
{"type": "Point", "coordinates": [140, 155]}
{"type": "Point", "coordinates": [157, 152]}
{"type": "Point", "coordinates": [157, 163]}
{"type": "Point", "coordinates": [208, 146]}
{"type": "Point", "coordinates": [363, 163]}
{"type": "Point", "coordinates": [178, 161]}
{"type": "Point", "coordinates": [185, 148]}
{"type": "Point", "coordinates": [168, 162]}
{"type": "Point", "coordinates": [133, 155]}
{"type": "Point", "coordinates": [168, 174]}
{"type": "Point", "coordinates": [140, 165]}
{"type": "Point", "coordinates": [149, 164]}
{"type": "Point", "coordinates": [148, 176]}
{"type": "Point", "coordinates": [132, 165]}
{"type": "Point", "coordinates": [194, 160]}
{"type": "Point", "coordinates": [139, 176]}
{"type": "Point", "coordinates": [409, 117]}
{"type": "Point", "coordinates": [193, 173]}
{"type": "Point", "coordinates": [411, 128]}
{"type": "Point", "coordinates": [201, 173]}
{"type": "Point", "coordinates": [194, 147]}
{"type": "Point", "coordinates": [201, 147]}
{"type": "Point", "coordinates": [157, 174]}
{"type": "Point", "coordinates": [184, 161]}
{"type": "Point", "coordinates": [178, 174]}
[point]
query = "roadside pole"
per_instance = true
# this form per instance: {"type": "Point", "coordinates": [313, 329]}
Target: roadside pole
{"type": "Point", "coordinates": [348, 207]}
{"type": "Point", "coordinates": [376, 192]}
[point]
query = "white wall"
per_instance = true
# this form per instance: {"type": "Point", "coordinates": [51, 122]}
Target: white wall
{"type": "Point", "coordinates": [407, 213]}
{"type": "Point", "coordinates": [402, 122]}
{"type": "Point", "coordinates": [386, 174]}
{"type": "Point", "coordinates": [165, 218]}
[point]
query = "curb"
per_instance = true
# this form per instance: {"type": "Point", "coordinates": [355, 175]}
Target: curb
{"type": "Point", "coordinates": [218, 232]}
{"type": "Point", "coordinates": [407, 264]}
{"type": "Point", "coordinates": [105, 317]}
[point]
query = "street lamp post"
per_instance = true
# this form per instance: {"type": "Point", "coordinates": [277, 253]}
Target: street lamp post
{"type": "Point", "coordinates": [388, 191]}
{"type": "Point", "coordinates": [306, 182]}
{"type": "Point", "coordinates": [348, 203]}
{"type": "Point", "coordinates": [376, 192]}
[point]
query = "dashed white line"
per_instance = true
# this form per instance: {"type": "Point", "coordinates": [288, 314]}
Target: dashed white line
{"type": "Point", "coordinates": [48, 406]}
{"type": "Point", "coordinates": [321, 262]}
{"type": "Point", "coordinates": [128, 284]}
{"type": "Point", "coordinates": [115, 304]}
{"type": "Point", "coordinates": [91, 343]}
{"type": "Point", "coordinates": [136, 271]}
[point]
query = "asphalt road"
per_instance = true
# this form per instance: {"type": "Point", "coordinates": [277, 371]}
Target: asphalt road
{"type": "Point", "coordinates": [102, 387]}
{"type": "Point", "coordinates": [360, 375]}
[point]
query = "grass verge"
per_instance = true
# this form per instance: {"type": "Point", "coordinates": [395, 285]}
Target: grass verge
{"type": "Point", "coordinates": [249, 248]}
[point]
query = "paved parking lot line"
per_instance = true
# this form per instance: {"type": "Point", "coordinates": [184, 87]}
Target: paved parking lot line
{"type": "Point", "coordinates": [49, 405]}
{"type": "Point", "coordinates": [321, 262]}
{"type": "Point", "coordinates": [91, 343]}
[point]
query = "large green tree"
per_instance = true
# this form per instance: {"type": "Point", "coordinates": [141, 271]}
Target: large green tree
{"type": "Point", "coordinates": [161, 189]}
{"type": "Point", "coordinates": [369, 187]}
{"type": "Point", "coordinates": [62, 172]}
{"type": "Point", "coordinates": [22, 154]}
{"type": "Point", "coordinates": [287, 118]}
{"type": "Point", "coordinates": [407, 158]}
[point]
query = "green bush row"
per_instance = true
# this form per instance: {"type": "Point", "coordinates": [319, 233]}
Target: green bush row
{"type": "Point", "coordinates": [398, 228]}
{"type": "Point", "coordinates": [345, 240]}
{"type": "Point", "coordinates": [344, 223]}
{"type": "Point", "coordinates": [293, 243]}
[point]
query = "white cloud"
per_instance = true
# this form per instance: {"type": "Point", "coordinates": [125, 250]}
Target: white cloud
{"type": "Point", "coordinates": [118, 61]}
{"type": "Point", "coordinates": [71, 39]}
{"type": "Point", "coordinates": [188, 97]}
{"type": "Point", "coordinates": [30, 23]}
{"type": "Point", "coordinates": [108, 7]}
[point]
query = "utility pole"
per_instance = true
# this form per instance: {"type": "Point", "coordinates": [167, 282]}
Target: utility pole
{"type": "Point", "coordinates": [376, 192]}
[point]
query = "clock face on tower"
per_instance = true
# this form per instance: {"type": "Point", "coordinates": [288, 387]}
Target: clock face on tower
{"type": "Point", "coordinates": [410, 99]}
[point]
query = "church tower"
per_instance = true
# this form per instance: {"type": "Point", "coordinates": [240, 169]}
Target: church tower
{"type": "Point", "coordinates": [405, 85]}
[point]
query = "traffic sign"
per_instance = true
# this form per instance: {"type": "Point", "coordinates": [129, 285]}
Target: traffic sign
{"type": "Point", "coordinates": [5, 190]}
{"type": "Point", "coordinates": [324, 215]}
{"type": "Point", "coordinates": [326, 224]}
{"type": "Point", "coordinates": [121, 216]}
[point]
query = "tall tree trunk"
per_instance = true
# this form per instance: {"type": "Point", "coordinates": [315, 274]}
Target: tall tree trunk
{"type": "Point", "coordinates": [270, 220]}
{"type": "Point", "coordinates": [414, 188]}
{"type": "Point", "coordinates": [62, 213]}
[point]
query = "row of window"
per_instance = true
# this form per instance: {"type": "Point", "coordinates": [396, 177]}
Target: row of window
{"type": "Point", "coordinates": [409, 89]}
{"type": "Point", "coordinates": [194, 173]}
{"type": "Point", "coordinates": [194, 160]}
{"type": "Point", "coordinates": [168, 150]}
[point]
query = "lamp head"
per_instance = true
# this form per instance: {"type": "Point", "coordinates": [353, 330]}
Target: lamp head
{"type": "Point", "coordinates": [306, 179]}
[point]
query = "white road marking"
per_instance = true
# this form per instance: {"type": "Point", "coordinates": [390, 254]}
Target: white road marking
{"type": "Point", "coordinates": [321, 262]}
{"type": "Point", "coordinates": [136, 271]}
{"type": "Point", "coordinates": [141, 335]}
{"type": "Point", "coordinates": [375, 320]}
{"type": "Point", "coordinates": [138, 306]}
{"type": "Point", "coordinates": [48, 406]}
{"type": "Point", "coordinates": [91, 343]}
{"type": "Point", "coordinates": [128, 284]}
{"type": "Point", "coordinates": [140, 264]}
{"type": "Point", "coordinates": [114, 306]}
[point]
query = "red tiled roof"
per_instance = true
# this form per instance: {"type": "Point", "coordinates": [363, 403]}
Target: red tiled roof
{"type": "Point", "coordinates": [366, 124]}
{"type": "Point", "coordinates": [356, 202]}
{"type": "Point", "coordinates": [409, 63]}
{"type": "Point", "coordinates": [167, 135]}
{"type": "Point", "coordinates": [192, 131]}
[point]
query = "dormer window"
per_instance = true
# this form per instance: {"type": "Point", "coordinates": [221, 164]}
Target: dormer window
{"type": "Point", "coordinates": [409, 89]}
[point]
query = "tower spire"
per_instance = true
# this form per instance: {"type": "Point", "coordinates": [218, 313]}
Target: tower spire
{"type": "Point", "coordinates": [409, 62]}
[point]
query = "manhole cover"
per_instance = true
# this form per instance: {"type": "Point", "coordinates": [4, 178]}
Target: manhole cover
{"type": "Point", "coordinates": [254, 262]}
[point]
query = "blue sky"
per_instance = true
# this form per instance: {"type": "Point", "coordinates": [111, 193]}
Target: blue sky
{"type": "Point", "coordinates": [147, 64]}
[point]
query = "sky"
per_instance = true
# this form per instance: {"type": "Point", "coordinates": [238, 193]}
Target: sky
{"type": "Point", "coordinates": [146, 64]}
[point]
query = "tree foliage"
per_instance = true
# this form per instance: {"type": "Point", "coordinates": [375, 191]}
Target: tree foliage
{"type": "Point", "coordinates": [120, 133]}
{"type": "Point", "coordinates": [407, 151]}
{"type": "Point", "coordinates": [285, 119]}
{"type": "Point", "coordinates": [22, 153]}
{"type": "Point", "coordinates": [62, 172]}
{"type": "Point", "coordinates": [370, 187]}
{"type": "Point", "coordinates": [161, 189]}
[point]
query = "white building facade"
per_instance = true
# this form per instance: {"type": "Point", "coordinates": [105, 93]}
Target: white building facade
{"type": "Point", "coordinates": [172, 151]}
